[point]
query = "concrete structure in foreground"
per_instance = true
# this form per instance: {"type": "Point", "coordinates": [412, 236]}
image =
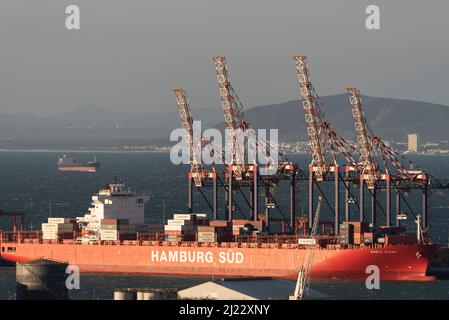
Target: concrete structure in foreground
{"type": "Point", "coordinates": [245, 289]}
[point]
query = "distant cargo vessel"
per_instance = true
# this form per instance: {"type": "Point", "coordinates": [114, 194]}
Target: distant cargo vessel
{"type": "Point", "coordinates": [66, 163]}
{"type": "Point", "coordinates": [112, 238]}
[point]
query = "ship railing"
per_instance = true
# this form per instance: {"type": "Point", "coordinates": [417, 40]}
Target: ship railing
{"type": "Point", "coordinates": [158, 239]}
{"type": "Point", "coordinates": [21, 236]}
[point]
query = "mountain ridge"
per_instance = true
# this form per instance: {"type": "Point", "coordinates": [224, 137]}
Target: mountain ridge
{"type": "Point", "coordinates": [387, 117]}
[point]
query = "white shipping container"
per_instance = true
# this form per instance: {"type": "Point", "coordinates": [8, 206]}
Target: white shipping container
{"type": "Point", "coordinates": [206, 240]}
{"type": "Point", "coordinates": [183, 216]}
{"type": "Point", "coordinates": [109, 232]}
{"type": "Point", "coordinates": [52, 236]}
{"type": "Point", "coordinates": [175, 222]}
{"type": "Point", "coordinates": [306, 241]}
{"type": "Point", "coordinates": [58, 220]}
{"type": "Point", "coordinates": [178, 228]}
{"type": "Point", "coordinates": [46, 237]}
{"type": "Point", "coordinates": [206, 234]}
{"type": "Point", "coordinates": [52, 226]}
{"type": "Point", "coordinates": [108, 238]}
{"type": "Point", "coordinates": [49, 233]}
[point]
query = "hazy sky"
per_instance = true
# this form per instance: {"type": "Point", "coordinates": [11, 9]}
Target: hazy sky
{"type": "Point", "coordinates": [128, 54]}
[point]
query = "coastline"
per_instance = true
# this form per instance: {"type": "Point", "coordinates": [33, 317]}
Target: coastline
{"type": "Point", "coordinates": [81, 151]}
{"type": "Point", "coordinates": [156, 151]}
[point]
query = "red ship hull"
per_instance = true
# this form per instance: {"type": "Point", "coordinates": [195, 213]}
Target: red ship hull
{"type": "Point", "coordinates": [395, 262]}
{"type": "Point", "coordinates": [78, 169]}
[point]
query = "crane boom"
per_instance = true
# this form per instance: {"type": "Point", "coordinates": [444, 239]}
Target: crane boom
{"type": "Point", "coordinates": [187, 124]}
{"type": "Point", "coordinates": [233, 113]}
{"type": "Point", "coordinates": [368, 165]}
{"type": "Point", "coordinates": [313, 114]}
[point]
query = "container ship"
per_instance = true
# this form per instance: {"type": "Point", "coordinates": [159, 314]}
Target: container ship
{"type": "Point", "coordinates": [112, 237]}
{"type": "Point", "coordinates": [66, 163]}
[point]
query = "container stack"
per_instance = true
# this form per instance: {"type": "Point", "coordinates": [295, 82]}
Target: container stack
{"type": "Point", "coordinates": [352, 232]}
{"type": "Point", "coordinates": [57, 228]}
{"type": "Point", "coordinates": [222, 230]}
{"type": "Point", "coordinates": [359, 229]}
{"type": "Point", "coordinates": [181, 227]}
{"type": "Point", "coordinates": [189, 227]}
{"type": "Point", "coordinates": [206, 234]}
{"type": "Point", "coordinates": [346, 234]}
{"type": "Point", "coordinates": [115, 229]}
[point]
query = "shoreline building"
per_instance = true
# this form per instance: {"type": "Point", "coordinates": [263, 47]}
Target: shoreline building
{"type": "Point", "coordinates": [412, 142]}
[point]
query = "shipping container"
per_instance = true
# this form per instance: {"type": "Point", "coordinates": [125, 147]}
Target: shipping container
{"type": "Point", "coordinates": [57, 227]}
{"type": "Point", "coordinates": [206, 234]}
{"type": "Point", "coordinates": [58, 220]}
{"type": "Point", "coordinates": [358, 226]}
{"type": "Point", "coordinates": [205, 229]}
{"type": "Point", "coordinates": [184, 216]}
{"type": "Point", "coordinates": [219, 223]}
{"type": "Point", "coordinates": [114, 221]}
{"type": "Point", "coordinates": [178, 228]}
{"type": "Point", "coordinates": [177, 222]}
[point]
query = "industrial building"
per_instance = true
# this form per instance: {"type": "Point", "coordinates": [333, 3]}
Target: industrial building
{"type": "Point", "coordinates": [245, 289]}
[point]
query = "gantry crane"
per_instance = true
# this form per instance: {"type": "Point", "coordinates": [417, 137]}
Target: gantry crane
{"type": "Point", "coordinates": [233, 115]}
{"type": "Point", "coordinates": [320, 134]}
{"type": "Point", "coordinates": [373, 175]}
{"type": "Point", "coordinates": [247, 171]}
{"type": "Point", "coordinates": [367, 164]}
{"type": "Point", "coordinates": [197, 172]}
{"type": "Point", "coordinates": [366, 167]}
{"type": "Point", "coordinates": [313, 112]}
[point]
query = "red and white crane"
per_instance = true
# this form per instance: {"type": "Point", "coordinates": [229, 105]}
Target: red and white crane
{"type": "Point", "coordinates": [197, 172]}
{"type": "Point", "coordinates": [321, 138]}
{"type": "Point", "coordinates": [233, 115]}
{"type": "Point", "coordinates": [367, 165]}
{"type": "Point", "coordinates": [313, 112]}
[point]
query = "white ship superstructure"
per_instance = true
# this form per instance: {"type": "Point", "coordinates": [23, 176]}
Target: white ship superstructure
{"type": "Point", "coordinates": [116, 202]}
